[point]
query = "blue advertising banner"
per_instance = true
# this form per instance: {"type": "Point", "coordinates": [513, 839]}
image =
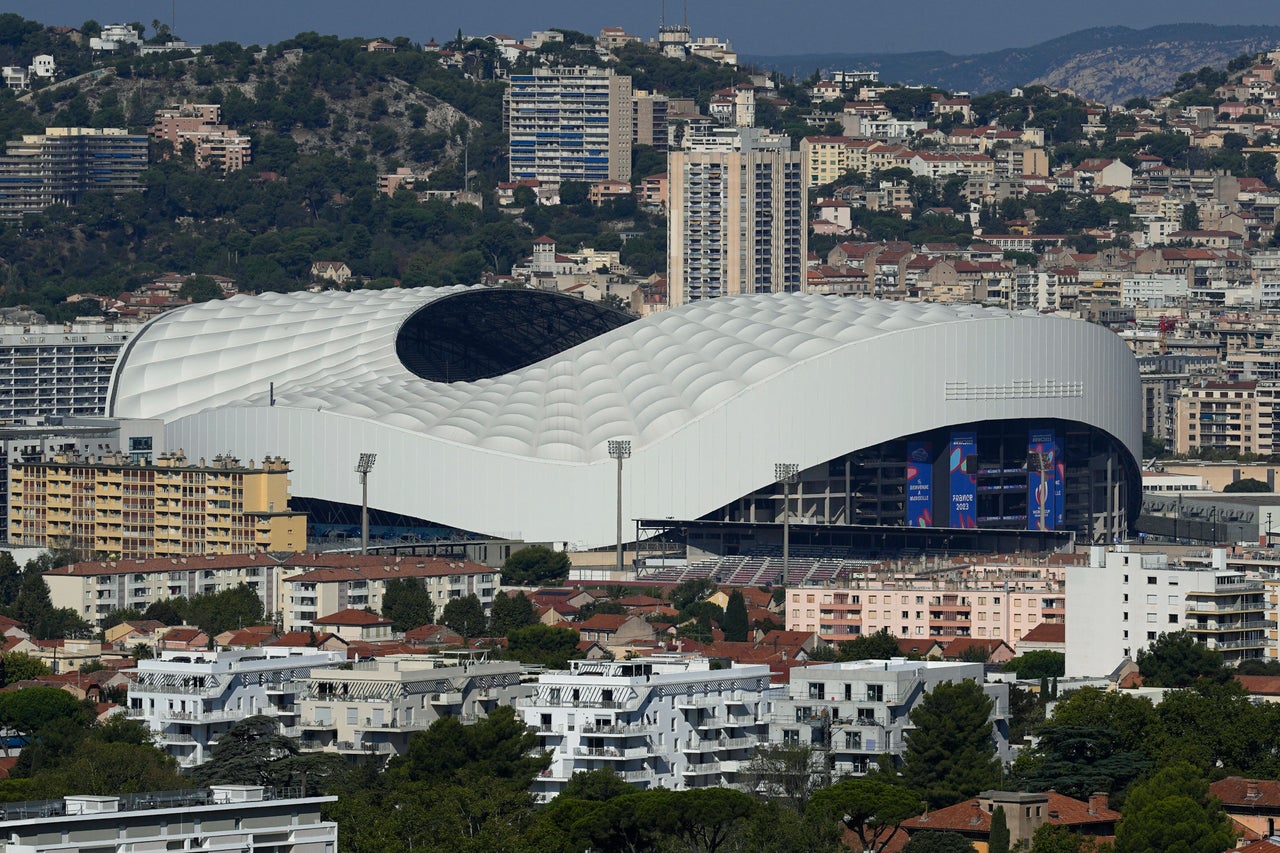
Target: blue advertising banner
{"type": "Point", "coordinates": [964, 479]}
{"type": "Point", "coordinates": [1044, 480]}
{"type": "Point", "coordinates": [919, 484]}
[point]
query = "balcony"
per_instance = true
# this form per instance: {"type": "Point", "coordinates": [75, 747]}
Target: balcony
{"type": "Point", "coordinates": [452, 698]}
{"type": "Point", "coordinates": [613, 752]}
{"type": "Point", "coordinates": [706, 768]}
{"type": "Point", "coordinates": [619, 729]}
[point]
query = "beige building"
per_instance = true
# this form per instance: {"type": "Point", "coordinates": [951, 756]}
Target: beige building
{"type": "Point", "coordinates": [717, 243]}
{"type": "Point", "coordinates": [826, 158]}
{"type": "Point", "coordinates": [375, 707]}
{"type": "Point", "coordinates": [125, 509]}
{"type": "Point", "coordinates": [324, 591]}
{"type": "Point", "coordinates": [1225, 416]}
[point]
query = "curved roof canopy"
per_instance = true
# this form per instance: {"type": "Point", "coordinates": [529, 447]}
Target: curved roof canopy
{"type": "Point", "coordinates": [501, 399]}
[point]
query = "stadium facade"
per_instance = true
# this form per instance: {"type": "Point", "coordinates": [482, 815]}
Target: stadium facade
{"type": "Point", "coordinates": [491, 409]}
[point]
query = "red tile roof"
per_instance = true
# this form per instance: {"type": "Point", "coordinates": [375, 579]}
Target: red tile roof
{"type": "Point", "coordinates": [604, 622]}
{"type": "Point", "coordinates": [971, 817]}
{"type": "Point", "coordinates": [1046, 632]}
{"type": "Point", "coordinates": [352, 617]}
{"type": "Point", "coordinates": [1260, 685]}
{"type": "Point", "coordinates": [1239, 792]}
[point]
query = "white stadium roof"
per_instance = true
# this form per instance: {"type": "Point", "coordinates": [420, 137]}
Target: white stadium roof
{"type": "Point", "coordinates": [710, 394]}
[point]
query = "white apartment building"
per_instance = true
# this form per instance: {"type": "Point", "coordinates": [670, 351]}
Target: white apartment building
{"type": "Point", "coordinates": [666, 721]}
{"type": "Point", "coordinates": [190, 699]}
{"type": "Point", "coordinates": [738, 217]}
{"type": "Point", "coordinates": [569, 124]}
{"type": "Point", "coordinates": [1153, 290]}
{"type": "Point", "coordinates": [58, 370]}
{"type": "Point", "coordinates": [857, 711]}
{"type": "Point", "coordinates": [1122, 601]}
{"type": "Point", "coordinates": [375, 707]}
{"type": "Point", "coordinates": [221, 817]}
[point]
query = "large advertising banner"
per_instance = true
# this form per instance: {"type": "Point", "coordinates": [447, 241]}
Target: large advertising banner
{"type": "Point", "coordinates": [1045, 473]}
{"type": "Point", "coordinates": [919, 484]}
{"type": "Point", "coordinates": [964, 479]}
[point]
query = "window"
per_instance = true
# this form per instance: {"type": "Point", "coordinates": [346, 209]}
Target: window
{"type": "Point", "coordinates": [1151, 579]}
{"type": "Point", "coordinates": [1151, 599]}
{"type": "Point", "coordinates": [1151, 635]}
{"type": "Point", "coordinates": [906, 614]}
{"type": "Point", "coordinates": [875, 692]}
{"type": "Point", "coordinates": [817, 690]}
{"type": "Point", "coordinates": [790, 735]}
{"type": "Point", "coordinates": [353, 715]}
{"type": "Point", "coordinates": [1173, 599]}
{"type": "Point", "coordinates": [1151, 617]}
{"type": "Point", "coordinates": [1173, 618]}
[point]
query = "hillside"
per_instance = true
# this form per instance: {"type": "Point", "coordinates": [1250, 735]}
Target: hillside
{"type": "Point", "coordinates": [1108, 64]}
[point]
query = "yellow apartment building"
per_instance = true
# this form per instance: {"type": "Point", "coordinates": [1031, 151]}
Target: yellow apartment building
{"type": "Point", "coordinates": [114, 507]}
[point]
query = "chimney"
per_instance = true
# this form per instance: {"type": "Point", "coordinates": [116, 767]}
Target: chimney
{"type": "Point", "coordinates": [1252, 792]}
{"type": "Point", "coordinates": [1097, 801]}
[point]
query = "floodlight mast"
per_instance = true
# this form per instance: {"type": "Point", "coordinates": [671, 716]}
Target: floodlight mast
{"type": "Point", "coordinates": [620, 449]}
{"type": "Point", "coordinates": [363, 466]}
{"type": "Point", "coordinates": [786, 473]}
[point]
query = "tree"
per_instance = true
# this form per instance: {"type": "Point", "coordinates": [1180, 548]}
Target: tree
{"type": "Point", "coordinates": [108, 769]}
{"type": "Point", "coordinates": [1177, 660]}
{"type": "Point", "coordinates": [1056, 838]}
{"type": "Point", "coordinates": [878, 646]}
{"type": "Point", "coordinates": [536, 565]}
{"type": "Point", "coordinates": [734, 623]}
{"type": "Point", "coordinates": [510, 612]}
{"type": "Point", "coordinates": [595, 786]}
{"type": "Point", "coordinates": [998, 837]}
{"type": "Point", "coordinates": [1040, 663]}
{"type": "Point", "coordinates": [31, 709]}
{"type": "Point", "coordinates": [550, 645]}
{"type": "Point", "coordinates": [1079, 760]}
{"type": "Point", "coordinates": [1190, 217]}
{"type": "Point", "coordinates": [10, 578]}
{"type": "Point", "coordinates": [407, 603]}
{"type": "Point", "coordinates": [870, 809]}
{"type": "Point", "coordinates": [200, 288]}
{"type": "Point", "coordinates": [20, 666]}
{"type": "Point", "coordinates": [1172, 811]}
{"type": "Point", "coordinates": [215, 612]}
{"type": "Point", "coordinates": [788, 773]}
{"type": "Point", "coordinates": [950, 753]}
{"type": "Point", "coordinates": [465, 615]}
{"type": "Point", "coordinates": [163, 611]}
{"type": "Point", "coordinates": [938, 842]}
{"type": "Point", "coordinates": [244, 755]}
{"type": "Point", "coordinates": [1247, 484]}
{"type": "Point", "coordinates": [705, 818]}
{"type": "Point", "coordinates": [500, 746]}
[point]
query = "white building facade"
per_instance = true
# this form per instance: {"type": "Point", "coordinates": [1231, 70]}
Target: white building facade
{"type": "Point", "coordinates": [1123, 601]}
{"type": "Point", "coordinates": [375, 707]}
{"type": "Point", "coordinates": [667, 721]}
{"type": "Point", "coordinates": [190, 699]}
{"type": "Point", "coordinates": [858, 711]}
{"type": "Point", "coordinates": [58, 370]}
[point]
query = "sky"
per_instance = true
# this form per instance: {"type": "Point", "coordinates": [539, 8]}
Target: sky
{"type": "Point", "coordinates": [759, 27]}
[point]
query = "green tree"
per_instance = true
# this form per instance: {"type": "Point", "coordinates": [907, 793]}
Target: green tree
{"type": "Point", "coordinates": [1056, 838]}
{"type": "Point", "coordinates": [1079, 760]}
{"type": "Point", "coordinates": [536, 565]}
{"type": "Point", "coordinates": [499, 746]}
{"type": "Point", "coordinates": [1190, 217]}
{"type": "Point", "coordinates": [465, 615]}
{"type": "Point", "coordinates": [881, 645]}
{"type": "Point", "coordinates": [950, 751]}
{"type": "Point", "coordinates": [407, 603]}
{"type": "Point", "coordinates": [163, 611]}
{"type": "Point", "coordinates": [787, 773]}
{"type": "Point", "coordinates": [200, 288]}
{"type": "Point", "coordinates": [20, 666]}
{"type": "Point", "coordinates": [245, 754]}
{"type": "Point", "coordinates": [938, 842]}
{"type": "Point", "coordinates": [1172, 811]}
{"type": "Point", "coordinates": [734, 623]}
{"type": "Point", "coordinates": [998, 838]}
{"type": "Point", "coordinates": [705, 819]}
{"type": "Point", "coordinates": [552, 646]}
{"type": "Point", "coordinates": [10, 578]}
{"type": "Point", "coordinates": [870, 809]}
{"type": "Point", "coordinates": [1247, 484]}
{"type": "Point", "coordinates": [33, 708]}
{"type": "Point", "coordinates": [595, 786]}
{"type": "Point", "coordinates": [510, 612]}
{"type": "Point", "coordinates": [109, 769]}
{"type": "Point", "coordinates": [215, 612]}
{"type": "Point", "coordinates": [1176, 660]}
{"type": "Point", "coordinates": [1040, 663]}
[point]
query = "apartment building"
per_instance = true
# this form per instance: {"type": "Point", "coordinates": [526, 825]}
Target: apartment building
{"type": "Point", "coordinates": [666, 721]}
{"type": "Point", "coordinates": [1000, 602]}
{"type": "Point", "coordinates": [1122, 601]}
{"type": "Point", "coordinates": [220, 817]}
{"type": "Point", "coordinates": [376, 706]}
{"type": "Point", "coordinates": [1226, 416]}
{"type": "Point", "coordinates": [189, 699]}
{"type": "Point", "coordinates": [738, 218]}
{"type": "Point", "coordinates": [856, 712]}
{"type": "Point", "coordinates": [826, 159]}
{"type": "Point", "coordinates": [569, 124]}
{"type": "Point", "coordinates": [58, 370]}
{"type": "Point", "coordinates": [63, 163]}
{"type": "Point", "coordinates": [323, 591]}
{"type": "Point", "coordinates": [649, 119]}
{"type": "Point", "coordinates": [119, 506]}
{"type": "Point", "coordinates": [213, 143]}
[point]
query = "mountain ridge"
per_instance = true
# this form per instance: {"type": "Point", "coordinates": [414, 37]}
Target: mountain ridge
{"type": "Point", "coordinates": [1109, 64]}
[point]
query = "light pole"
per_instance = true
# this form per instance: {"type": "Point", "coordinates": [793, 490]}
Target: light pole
{"type": "Point", "coordinates": [363, 466]}
{"type": "Point", "coordinates": [786, 473]}
{"type": "Point", "coordinates": [1268, 543]}
{"type": "Point", "coordinates": [620, 449]}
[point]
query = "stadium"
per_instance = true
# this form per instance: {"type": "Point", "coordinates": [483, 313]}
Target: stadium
{"type": "Point", "coordinates": [491, 411]}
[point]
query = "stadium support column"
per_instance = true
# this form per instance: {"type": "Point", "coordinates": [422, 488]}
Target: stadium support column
{"type": "Point", "coordinates": [363, 466]}
{"type": "Point", "coordinates": [620, 450]}
{"type": "Point", "coordinates": [786, 473]}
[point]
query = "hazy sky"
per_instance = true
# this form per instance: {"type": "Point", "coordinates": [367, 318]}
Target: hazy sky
{"type": "Point", "coordinates": [754, 26]}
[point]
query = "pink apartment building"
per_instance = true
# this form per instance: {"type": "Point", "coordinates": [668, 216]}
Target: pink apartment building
{"type": "Point", "coordinates": [997, 599]}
